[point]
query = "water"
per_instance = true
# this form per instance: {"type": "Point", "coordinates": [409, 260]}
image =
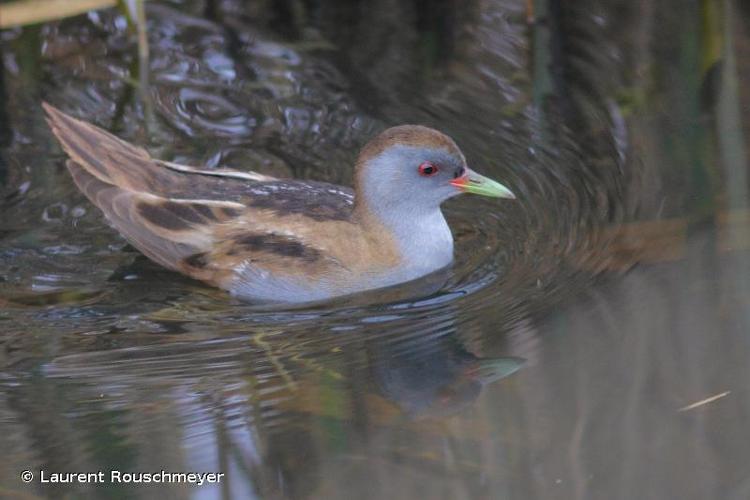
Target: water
{"type": "Point", "coordinates": [581, 333]}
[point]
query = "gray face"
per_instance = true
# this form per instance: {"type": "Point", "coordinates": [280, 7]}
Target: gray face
{"type": "Point", "coordinates": [393, 179]}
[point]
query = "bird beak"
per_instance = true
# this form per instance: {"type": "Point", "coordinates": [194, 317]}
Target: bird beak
{"type": "Point", "coordinates": [472, 182]}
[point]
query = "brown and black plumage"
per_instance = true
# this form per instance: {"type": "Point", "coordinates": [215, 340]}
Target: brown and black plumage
{"type": "Point", "coordinates": [269, 239]}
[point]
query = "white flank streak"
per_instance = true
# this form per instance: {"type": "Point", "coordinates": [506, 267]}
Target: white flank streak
{"type": "Point", "coordinates": [214, 203]}
{"type": "Point", "coordinates": [250, 176]}
{"type": "Point", "coordinates": [706, 401]}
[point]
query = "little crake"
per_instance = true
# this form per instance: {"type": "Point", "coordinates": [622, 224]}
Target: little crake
{"type": "Point", "coordinates": [268, 239]}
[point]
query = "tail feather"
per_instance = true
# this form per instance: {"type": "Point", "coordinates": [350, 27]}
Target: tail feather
{"type": "Point", "coordinates": [172, 213]}
{"type": "Point", "coordinates": [103, 155]}
{"type": "Point", "coordinates": [163, 247]}
{"type": "Point", "coordinates": [122, 164]}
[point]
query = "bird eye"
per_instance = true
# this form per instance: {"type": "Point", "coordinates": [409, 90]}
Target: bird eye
{"type": "Point", "coordinates": [427, 169]}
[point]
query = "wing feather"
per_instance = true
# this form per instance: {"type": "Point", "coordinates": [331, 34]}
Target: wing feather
{"type": "Point", "coordinates": [122, 164]}
{"type": "Point", "coordinates": [205, 223]}
{"type": "Point", "coordinates": [150, 223]}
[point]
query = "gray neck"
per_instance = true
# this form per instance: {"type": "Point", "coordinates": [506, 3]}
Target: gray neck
{"type": "Point", "coordinates": [424, 240]}
{"type": "Point", "coordinates": [396, 198]}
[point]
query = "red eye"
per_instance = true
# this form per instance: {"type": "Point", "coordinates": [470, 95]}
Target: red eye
{"type": "Point", "coordinates": [427, 169]}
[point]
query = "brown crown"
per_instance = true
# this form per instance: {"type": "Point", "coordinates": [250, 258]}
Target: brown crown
{"type": "Point", "coordinates": [408, 135]}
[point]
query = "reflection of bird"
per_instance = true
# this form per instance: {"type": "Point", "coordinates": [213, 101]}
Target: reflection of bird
{"type": "Point", "coordinates": [437, 381]}
{"type": "Point", "coordinates": [269, 239]}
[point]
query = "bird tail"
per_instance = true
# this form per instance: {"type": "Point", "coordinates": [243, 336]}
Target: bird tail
{"type": "Point", "coordinates": [144, 200]}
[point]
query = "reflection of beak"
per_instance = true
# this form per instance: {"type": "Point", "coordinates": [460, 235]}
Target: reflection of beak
{"type": "Point", "coordinates": [490, 370]}
{"type": "Point", "coordinates": [472, 182]}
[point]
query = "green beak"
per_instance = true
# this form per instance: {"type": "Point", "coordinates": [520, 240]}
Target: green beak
{"type": "Point", "coordinates": [490, 370]}
{"type": "Point", "coordinates": [472, 182]}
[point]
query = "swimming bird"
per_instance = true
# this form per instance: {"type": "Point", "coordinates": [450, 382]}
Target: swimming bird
{"type": "Point", "coordinates": [266, 239]}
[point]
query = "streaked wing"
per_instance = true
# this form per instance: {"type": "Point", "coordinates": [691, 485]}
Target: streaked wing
{"type": "Point", "coordinates": [197, 221]}
{"type": "Point", "coordinates": [165, 230]}
{"type": "Point", "coordinates": [120, 163]}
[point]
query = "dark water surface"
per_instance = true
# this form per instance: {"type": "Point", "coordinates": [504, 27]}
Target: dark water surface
{"type": "Point", "coordinates": [592, 340]}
